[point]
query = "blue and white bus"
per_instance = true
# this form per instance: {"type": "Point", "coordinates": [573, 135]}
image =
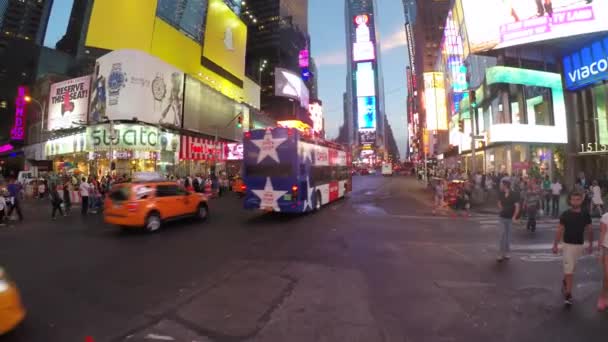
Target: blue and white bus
{"type": "Point", "coordinates": [285, 170]}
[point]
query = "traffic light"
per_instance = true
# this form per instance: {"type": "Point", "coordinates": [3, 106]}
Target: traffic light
{"type": "Point", "coordinates": [472, 99]}
{"type": "Point", "coordinates": [461, 126]}
{"type": "Point", "coordinates": [239, 122]}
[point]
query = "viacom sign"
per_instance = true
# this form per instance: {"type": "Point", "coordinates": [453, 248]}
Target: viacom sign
{"type": "Point", "coordinates": [587, 66]}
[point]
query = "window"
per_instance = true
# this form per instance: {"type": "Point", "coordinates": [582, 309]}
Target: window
{"type": "Point", "coordinates": [518, 115]}
{"type": "Point", "coordinates": [539, 105]}
{"type": "Point", "coordinates": [601, 108]}
{"type": "Point", "coordinates": [166, 190]}
{"type": "Point", "coordinates": [271, 170]}
{"type": "Point", "coordinates": [187, 16]}
{"type": "Point", "coordinates": [120, 194]}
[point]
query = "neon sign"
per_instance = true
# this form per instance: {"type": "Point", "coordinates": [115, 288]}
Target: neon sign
{"type": "Point", "coordinates": [18, 130]}
{"type": "Point", "coordinates": [5, 148]}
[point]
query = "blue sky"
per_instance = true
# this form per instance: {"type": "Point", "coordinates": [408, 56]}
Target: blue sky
{"type": "Point", "coordinates": [326, 26]}
{"type": "Point", "coordinates": [58, 22]}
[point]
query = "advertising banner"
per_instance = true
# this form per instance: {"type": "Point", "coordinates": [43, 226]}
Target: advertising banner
{"type": "Point", "coordinates": [234, 151]}
{"type": "Point", "coordinates": [71, 144]}
{"type": "Point", "coordinates": [130, 137]}
{"type": "Point", "coordinates": [496, 24]}
{"type": "Point", "coordinates": [131, 84]}
{"type": "Point", "coordinates": [366, 108]}
{"type": "Point", "coordinates": [587, 66]}
{"type": "Point", "coordinates": [366, 80]}
{"type": "Point", "coordinates": [288, 84]}
{"type": "Point", "coordinates": [68, 103]}
{"type": "Point", "coordinates": [195, 148]}
{"type": "Point", "coordinates": [363, 46]}
{"type": "Point", "coordinates": [225, 42]}
{"type": "Point", "coordinates": [435, 101]}
{"type": "Point", "coordinates": [367, 136]}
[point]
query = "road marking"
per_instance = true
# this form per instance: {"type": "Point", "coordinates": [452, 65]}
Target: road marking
{"type": "Point", "coordinates": [462, 284]}
{"type": "Point", "coordinates": [159, 337]}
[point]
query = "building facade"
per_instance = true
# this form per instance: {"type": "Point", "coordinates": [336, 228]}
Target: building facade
{"type": "Point", "coordinates": [365, 85]}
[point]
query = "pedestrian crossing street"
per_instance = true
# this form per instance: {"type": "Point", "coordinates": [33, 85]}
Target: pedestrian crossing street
{"type": "Point", "coordinates": [524, 249]}
{"type": "Point", "coordinates": [489, 222]}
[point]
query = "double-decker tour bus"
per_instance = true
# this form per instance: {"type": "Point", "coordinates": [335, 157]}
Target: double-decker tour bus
{"type": "Point", "coordinates": [286, 170]}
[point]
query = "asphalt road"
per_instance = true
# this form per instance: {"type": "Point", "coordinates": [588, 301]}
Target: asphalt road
{"type": "Point", "coordinates": [377, 266]}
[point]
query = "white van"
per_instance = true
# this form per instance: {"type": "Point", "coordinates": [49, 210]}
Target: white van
{"type": "Point", "coordinates": [387, 169]}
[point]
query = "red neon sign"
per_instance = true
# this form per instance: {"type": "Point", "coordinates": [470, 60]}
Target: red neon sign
{"type": "Point", "coordinates": [18, 130]}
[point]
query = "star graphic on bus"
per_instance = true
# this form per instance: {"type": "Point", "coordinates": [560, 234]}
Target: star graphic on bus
{"type": "Point", "coordinates": [269, 196]}
{"type": "Point", "coordinates": [308, 201]}
{"type": "Point", "coordinates": [268, 146]}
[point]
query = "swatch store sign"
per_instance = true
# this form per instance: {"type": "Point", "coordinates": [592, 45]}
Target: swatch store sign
{"type": "Point", "coordinates": [587, 66]}
{"type": "Point", "coordinates": [131, 137]}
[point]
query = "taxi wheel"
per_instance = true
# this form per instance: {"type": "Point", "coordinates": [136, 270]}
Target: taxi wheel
{"type": "Point", "coordinates": [202, 212]}
{"type": "Point", "coordinates": [153, 222]}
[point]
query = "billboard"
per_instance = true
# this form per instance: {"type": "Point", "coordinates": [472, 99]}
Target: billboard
{"type": "Point", "coordinates": [366, 80]}
{"type": "Point", "coordinates": [225, 42]}
{"type": "Point", "coordinates": [367, 136]}
{"type": "Point", "coordinates": [130, 137]}
{"type": "Point", "coordinates": [435, 101]}
{"type": "Point", "coordinates": [303, 58]}
{"type": "Point", "coordinates": [18, 130]}
{"type": "Point", "coordinates": [496, 24]}
{"type": "Point", "coordinates": [316, 116]}
{"type": "Point", "coordinates": [289, 84]}
{"type": "Point", "coordinates": [363, 46]}
{"type": "Point", "coordinates": [587, 65]}
{"type": "Point", "coordinates": [234, 151]}
{"type": "Point", "coordinates": [131, 84]}
{"type": "Point", "coordinates": [68, 103]}
{"type": "Point", "coordinates": [366, 108]}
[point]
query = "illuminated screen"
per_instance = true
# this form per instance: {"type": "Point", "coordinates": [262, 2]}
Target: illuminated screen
{"type": "Point", "coordinates": [234, 151]}
{"type": "Point", "coordinates": [434, 101]}
{"type": "Point", "coordinates": [366, 108]}
{"type": "Point", "coordinates": [303, 58]}
{"type": "Point", "coordinates": [496, 24]}
{"type": "Point", "coordinates": [363, 51]}
{"type": "Point", "coordinates": [587, 66]}
{"type": "Point", "coordinates": [288, 84]}
{"type": "Point", "coordinates": [366, 84]}
{"type": "Point", "coordinates": [367, 136]}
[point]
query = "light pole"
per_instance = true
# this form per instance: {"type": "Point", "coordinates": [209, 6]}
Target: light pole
{"type": "Point", "coordinates": [29, 99]}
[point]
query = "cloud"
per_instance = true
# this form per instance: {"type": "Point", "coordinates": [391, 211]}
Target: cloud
{"type": "Point", "coordinates": [332, 58]}
{"type": "Point", "coordinates": [388, 43]}
{"type": "Point", "coordinates": [393, 41]}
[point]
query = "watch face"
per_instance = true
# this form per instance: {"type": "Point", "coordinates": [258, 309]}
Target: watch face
{"type": "Point", "coordinates": [158, 88]}
{"type": "Point", "coordinates": [116, 80]}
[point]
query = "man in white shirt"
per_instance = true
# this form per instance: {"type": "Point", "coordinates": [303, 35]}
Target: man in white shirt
{"type": "Point", "coordinates": [556, 191]}
{"type": "Point", "coordinates": [85, 189]}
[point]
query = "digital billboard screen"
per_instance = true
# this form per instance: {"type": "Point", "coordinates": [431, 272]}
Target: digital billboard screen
{"type": "Point", "coordinates": [496, 24]}
{"type": "Point", "coordinates": [234, 151]}
{"type": "Point", "coordinates": [366, 81]}
{"type": "Point", "coordinates": [367, 136]}
{"type": "Point", "coordinates": [435, 101]}
{"type": "Point", "coordinates": [363, 46]}
{"type": "Point", "coordinates": [288, 84]}
{"type": "Point", "coordinates": [587, 65]}
{"type": "Point", "coordinates": [366, 108]}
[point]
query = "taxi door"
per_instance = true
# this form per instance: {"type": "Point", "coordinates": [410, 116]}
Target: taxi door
{"type": "Point", "coordinates": [167, 200]}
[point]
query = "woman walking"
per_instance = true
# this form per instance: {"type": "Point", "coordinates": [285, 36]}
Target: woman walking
{"type": "Point", "coordinates": [596, 198]}
{"type": "Point", "coordinates": [602, 303]}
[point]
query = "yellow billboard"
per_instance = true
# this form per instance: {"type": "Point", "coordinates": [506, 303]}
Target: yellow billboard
{"type": "Point", "coordinates": [435, 101]}
{"type": "Point", "coordinates": [120, 24]}
{"type": "Point", "coordinates": [225, 42]}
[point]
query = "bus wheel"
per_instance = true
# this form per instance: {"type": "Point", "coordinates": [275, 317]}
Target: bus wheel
{"type": "Point", "coordinates": [318, 201]}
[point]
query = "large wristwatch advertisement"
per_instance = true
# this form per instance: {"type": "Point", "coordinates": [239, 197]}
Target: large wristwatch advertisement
{"type": "Point", "coordinates": [116, 82]}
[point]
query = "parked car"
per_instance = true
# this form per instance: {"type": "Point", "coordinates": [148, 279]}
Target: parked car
{"type": "Point", "coordinates": [148, 204]}
{"type": "Point", "coordinates": [12, 311]}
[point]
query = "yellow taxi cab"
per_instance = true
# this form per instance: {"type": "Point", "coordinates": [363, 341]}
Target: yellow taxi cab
{"type": "Point", "coordinates": [12, 311]}
{"type": "Point", "coordinates": [148, 203]}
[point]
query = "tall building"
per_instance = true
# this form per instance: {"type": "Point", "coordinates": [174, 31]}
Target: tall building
{"type": "Point", "coordinates": [425, 24]}
{"type": "Point", "coordinates": [277, 34]}
{"type": "Point", "coordinates": [71, 41]}
{"type": "Point", "coordinates": [22, 29]}
{"type": "Point", "coordinates": [365, 86]}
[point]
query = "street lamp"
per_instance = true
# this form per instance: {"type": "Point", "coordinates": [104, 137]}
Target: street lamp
{"type": "Point", "coordinates": [42, 106]}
